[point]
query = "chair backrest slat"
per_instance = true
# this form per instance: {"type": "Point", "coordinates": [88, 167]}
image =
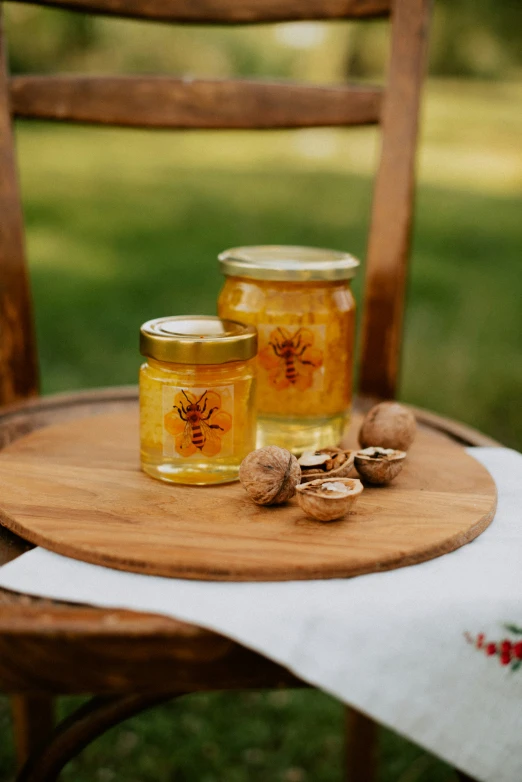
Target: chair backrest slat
{"type": "Point", "coordinates": [162, 102]}
{"type": "Point", "coordinates": [18, 361]}
{"type": "Point", "coordinates": [172, 103]}
{"type": "Point", "coordinates": [226, 11]}
{"type": "Point", "coordinates": [392, 211]}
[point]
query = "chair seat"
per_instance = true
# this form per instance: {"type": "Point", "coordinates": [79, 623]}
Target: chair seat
{"type": "Point", "coordinates": [53, 647]}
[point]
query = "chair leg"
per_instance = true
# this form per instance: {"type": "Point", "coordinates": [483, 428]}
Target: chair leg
{"type": "Point", "coordinates": [33, 723]}
{"type": "Point", "coordinates": [80, 728]}
{"type": "Point", "coordinates": [361, 747]}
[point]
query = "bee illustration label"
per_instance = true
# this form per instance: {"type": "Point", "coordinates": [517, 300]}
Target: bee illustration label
{"type": "Point", "coordinates": [198, 421]}
{"type": "Point", "coordinates": [292, 356]}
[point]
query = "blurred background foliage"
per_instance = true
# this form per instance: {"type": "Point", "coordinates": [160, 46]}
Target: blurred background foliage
{"type": "Point", "coordinates": [472, 38]}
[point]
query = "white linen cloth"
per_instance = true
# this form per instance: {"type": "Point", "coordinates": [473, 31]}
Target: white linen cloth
{"type": "Point", "coordinates": [391, 644]}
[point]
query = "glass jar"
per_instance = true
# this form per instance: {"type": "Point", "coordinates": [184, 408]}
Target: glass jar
{"type": "Point", "coordinates": [299, 299]}
{"type": "Point", "coordinates": [197, 398]}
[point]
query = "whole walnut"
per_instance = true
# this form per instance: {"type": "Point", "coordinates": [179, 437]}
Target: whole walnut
{"type": "Point", "coordinates": [270, 475]}
{"type": "Point", "coordinates": [388, 425]}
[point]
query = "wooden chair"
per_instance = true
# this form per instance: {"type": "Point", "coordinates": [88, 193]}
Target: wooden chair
{"type": "Point", "coordinates": [127, 660]}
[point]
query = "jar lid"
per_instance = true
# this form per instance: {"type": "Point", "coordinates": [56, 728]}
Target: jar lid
{"type": "Point", "coordinates": [197, 339]}
{"type": "Point", "coordinates": [293, 264]}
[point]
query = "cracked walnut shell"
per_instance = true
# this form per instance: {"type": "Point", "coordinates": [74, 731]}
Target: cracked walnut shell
{"type": "Point", "coordinates": [325, 462]}
{"type": "Point", "coordinates": [270, 475]}
{"type": "Point", "coordinates": [379, 465]}
{"type": "Point", "coordinates": [327, 499]}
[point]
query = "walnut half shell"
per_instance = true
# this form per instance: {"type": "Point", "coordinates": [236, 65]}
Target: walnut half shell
{"type": "Point", "coordinates": [326, 462]}
{"type": "Point", "coordinates": [379, 465]}
{"type": "Point", "coordinates": [327, 499]}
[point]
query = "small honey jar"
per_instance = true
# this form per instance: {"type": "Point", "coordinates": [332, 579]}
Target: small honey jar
{"type": "Point", "coordinates": [197, 398]}
{"type": "Point", "coordinates": [299, 299]}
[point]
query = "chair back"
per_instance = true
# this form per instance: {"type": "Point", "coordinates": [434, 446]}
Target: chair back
{"type": "Point", "coordinates": [164, 102]}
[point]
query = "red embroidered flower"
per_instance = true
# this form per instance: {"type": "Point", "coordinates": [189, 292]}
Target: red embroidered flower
{"type": "Point", "coordinates": [508, 652]}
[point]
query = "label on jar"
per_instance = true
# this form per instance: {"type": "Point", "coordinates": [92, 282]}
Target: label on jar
{"type": "Point", "coordinates": [292, 356]}
{"type": "Point", "coordinates": [198, 421]}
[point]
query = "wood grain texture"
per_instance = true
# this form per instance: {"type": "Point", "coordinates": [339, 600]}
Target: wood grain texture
{"type": "Point", "coordinates": [65, 649]}
{"type": "Point", "coordinates": [33, 723]}
{"type": "Point", "coordinates": [163, 102]}
{"type": "Point", "coordinates": [18, 362]}
{"type": "Point", "coordinates": [87, 498]}
{"type": "Point", "coordinates": [389, 239]}
{"type": "Point", "coordinates": [62, 648]}
{"type": "Point", "coordinates": [20, 418]}
{"type": "Point", "coordinates": [226, 11]}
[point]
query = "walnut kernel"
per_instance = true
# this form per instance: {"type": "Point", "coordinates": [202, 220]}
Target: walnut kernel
{"type": "Point", "coordinates": [331, 462]}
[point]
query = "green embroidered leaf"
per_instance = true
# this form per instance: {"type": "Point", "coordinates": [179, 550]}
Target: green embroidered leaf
{"type": "Point", "coordinates": [516, 665]}
{"type": "Point", "coordinates": [514, 629]}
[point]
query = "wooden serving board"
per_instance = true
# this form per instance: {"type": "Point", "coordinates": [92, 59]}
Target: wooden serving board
{"type": "Point", "coordinates": [77, 489]}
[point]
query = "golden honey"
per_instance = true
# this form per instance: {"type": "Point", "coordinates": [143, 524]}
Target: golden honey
{"type": "Point", "coordinates": [197, 398]}
{"type": "Point", "coordinates": [300, 301]}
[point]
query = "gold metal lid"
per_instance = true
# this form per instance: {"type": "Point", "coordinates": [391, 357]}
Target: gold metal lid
{"type": "Point", "coordinates": [291, 264]}
{"type": "Point", "coordinates": [197, 339]}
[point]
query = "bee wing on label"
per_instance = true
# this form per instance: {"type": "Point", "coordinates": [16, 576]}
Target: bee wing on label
{"type": "Point", "coordinates": [306, 365]}
{"type": "Point", "coordinates": [212, 440]}
{"type": "Point", "coordinates": [183, 442]}
{"type": "Point", "coordinates": [275, 365]}
{"type": "Point", "coordinates": [213, 430]}
{"type": "Point", "coordinates": [278, 376]}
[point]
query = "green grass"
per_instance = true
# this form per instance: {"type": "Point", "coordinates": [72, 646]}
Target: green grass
{"type": "Point", "coordinates": [125, 226]}
{"type": "Point", "coordinates": [279, 736]}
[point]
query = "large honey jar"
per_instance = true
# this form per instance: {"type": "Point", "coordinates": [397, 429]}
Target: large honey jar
{"type": "Point", "coordinates": [300, 301]}
{"type": "Point", "coordinates": [197, 398]}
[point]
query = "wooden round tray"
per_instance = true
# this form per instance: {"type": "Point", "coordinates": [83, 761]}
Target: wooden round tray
{"type": "Point", "coordinates": [77, 489]}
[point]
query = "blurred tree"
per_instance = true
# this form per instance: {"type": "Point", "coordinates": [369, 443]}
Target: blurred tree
{"type": "Point", "coordinates": [469, 38]}
{"type": "Point", "coordinates": [477, 37]}
{"type": "Point", "coordinates": [40, 40]}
